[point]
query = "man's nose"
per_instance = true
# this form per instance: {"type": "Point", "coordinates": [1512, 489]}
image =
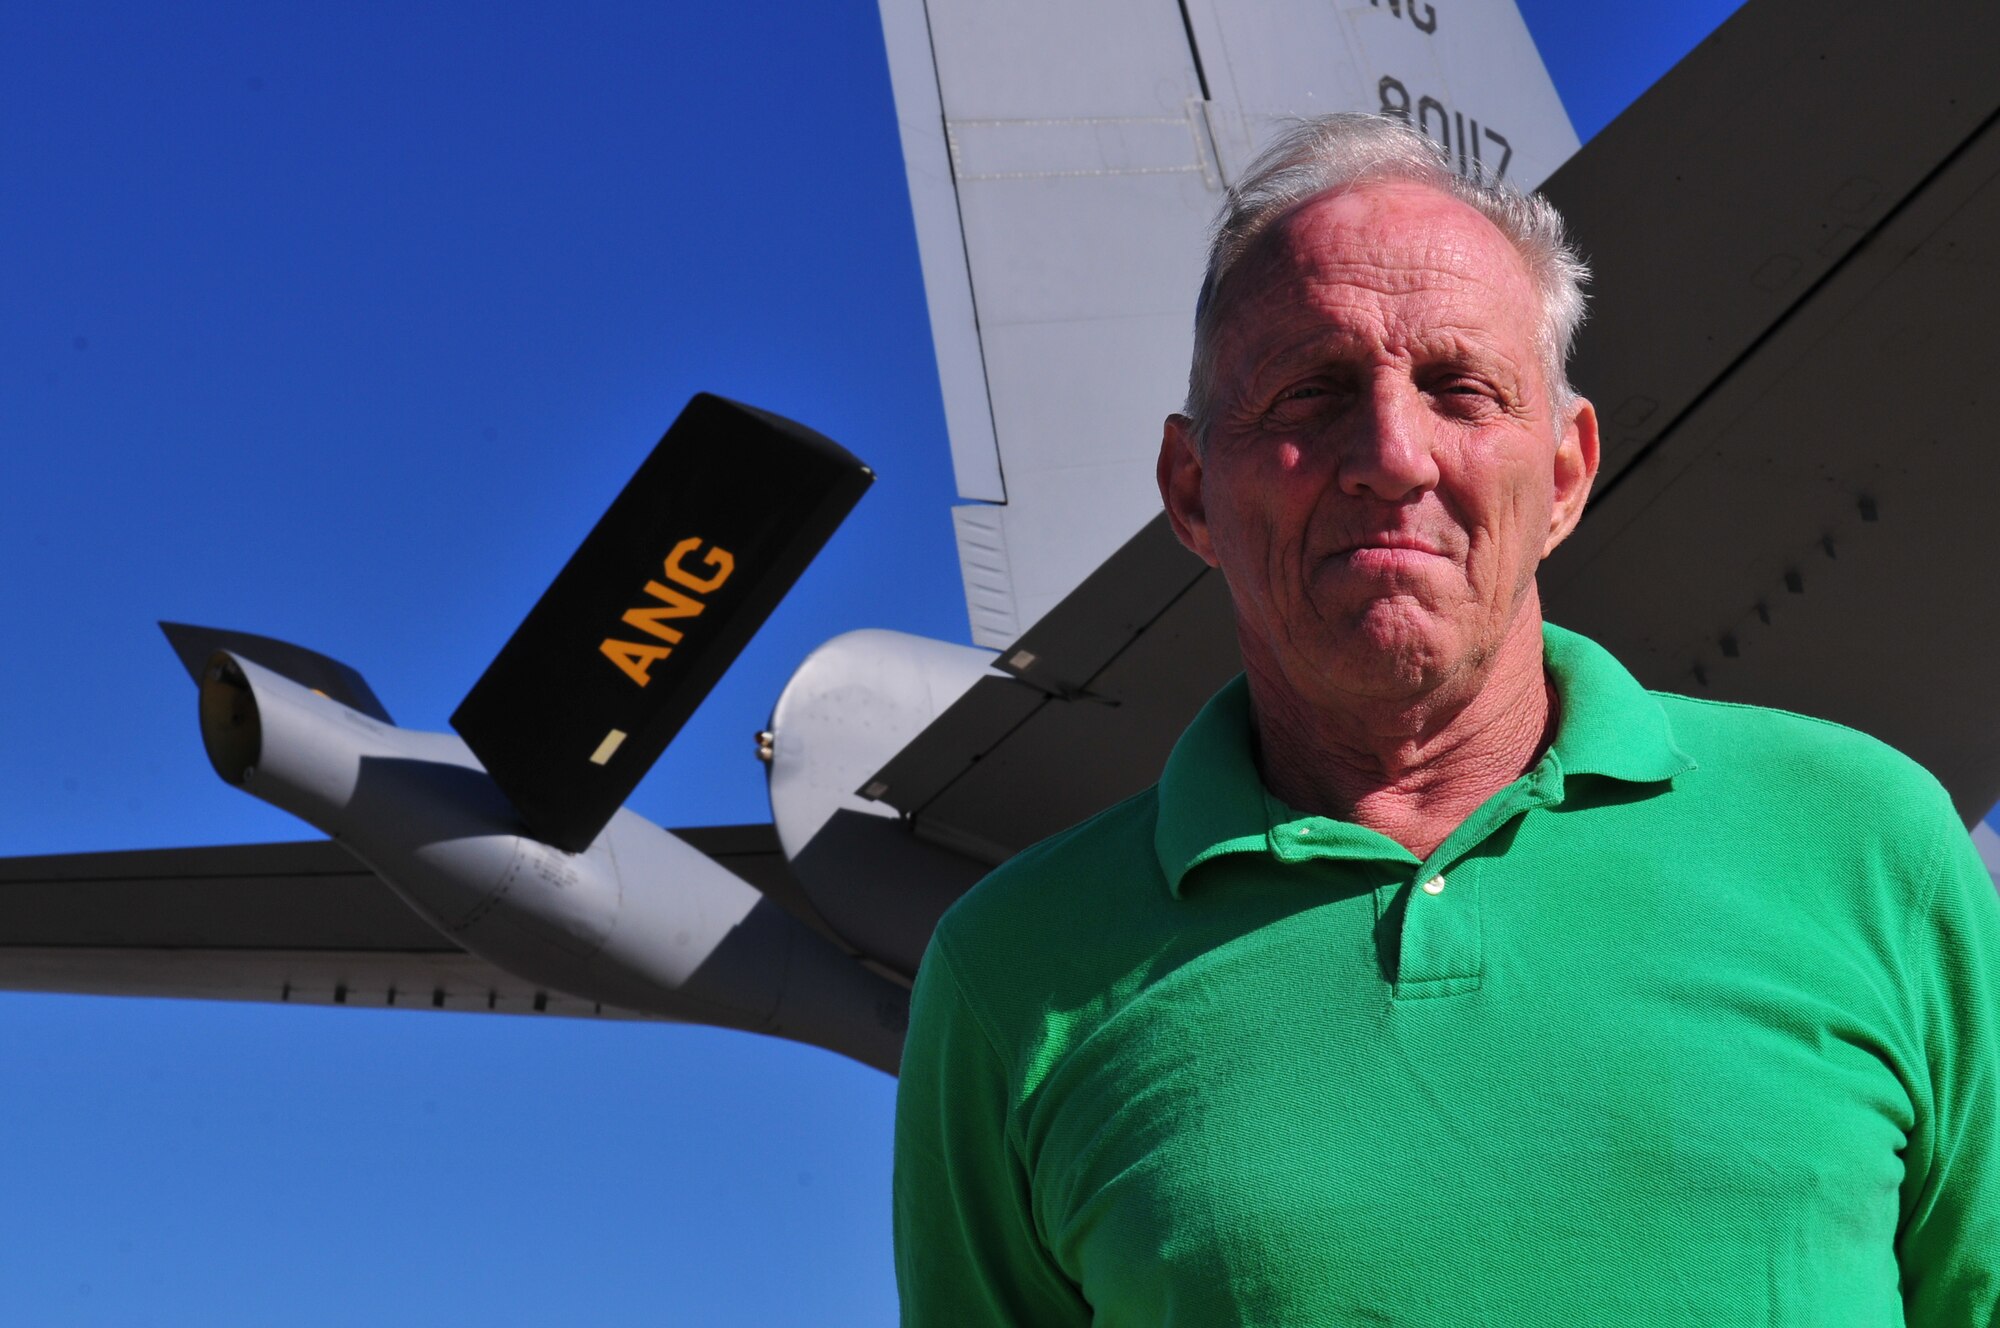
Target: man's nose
{"type": "Point", "coordinates": [1387, 453]}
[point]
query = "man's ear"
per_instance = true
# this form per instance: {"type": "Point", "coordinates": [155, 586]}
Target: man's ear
{"type": "Point", "coordinates": [1575, 471]}
{"type": "Point", "coordinates": [1180, 487]}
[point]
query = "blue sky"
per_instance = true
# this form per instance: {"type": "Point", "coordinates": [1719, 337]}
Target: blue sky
{"type": "Point", "coordinates": [341, 324]}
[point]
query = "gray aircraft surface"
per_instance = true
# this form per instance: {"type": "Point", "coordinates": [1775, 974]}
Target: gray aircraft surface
{"type": "Point", "coordinates": [1789, 351]}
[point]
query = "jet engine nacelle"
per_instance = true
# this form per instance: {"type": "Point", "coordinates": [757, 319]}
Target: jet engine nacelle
{"type": "Point", "coordinates": [639, 919]}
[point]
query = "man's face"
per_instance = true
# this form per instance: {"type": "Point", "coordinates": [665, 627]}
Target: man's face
{"type": "Point", "coordinates": [1382, 473]}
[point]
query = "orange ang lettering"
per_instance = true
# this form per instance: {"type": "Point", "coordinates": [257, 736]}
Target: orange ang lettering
{"type": "Point", "coordinates": [677, 598]}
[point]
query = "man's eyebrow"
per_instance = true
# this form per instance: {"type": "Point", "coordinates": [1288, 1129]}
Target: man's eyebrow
{"type": "Point", "coordinates": [1467, 349]}
{"type": "Point", "coordinates": [1433, 349]}
{"type": "Point", "coordinates": [1310, 346]}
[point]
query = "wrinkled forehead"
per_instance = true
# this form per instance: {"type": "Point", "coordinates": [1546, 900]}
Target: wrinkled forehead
{"type": "Point", "coordinates": [1392, 238]}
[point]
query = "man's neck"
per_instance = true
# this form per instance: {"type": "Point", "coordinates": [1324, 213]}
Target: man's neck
{"type": "Point", "coordinates": [1412, 768]}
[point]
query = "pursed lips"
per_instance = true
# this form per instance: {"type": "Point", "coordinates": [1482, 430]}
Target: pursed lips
{"type": "Point", "coordinates": [1386, 560]}
{"type": "Point", "coordinates": [1389, 541]}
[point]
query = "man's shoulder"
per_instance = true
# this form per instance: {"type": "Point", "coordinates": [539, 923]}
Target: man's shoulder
{"type": "Point", "coordinates": [1818, 769]}
{"type": "Point", "coordinates": [1085, 872]}
{"type": "Point", "coordinates": [1060, 914]}
{"type": "Point", "coordinates": [1737, 733]}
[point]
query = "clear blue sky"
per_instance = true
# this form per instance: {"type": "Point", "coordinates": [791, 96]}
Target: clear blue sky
{"type": "Point", "coordinates": [341, 324]}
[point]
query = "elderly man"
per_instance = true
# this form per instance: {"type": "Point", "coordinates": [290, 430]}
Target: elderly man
{"type": "Point", "coordinates": [1447, 975]}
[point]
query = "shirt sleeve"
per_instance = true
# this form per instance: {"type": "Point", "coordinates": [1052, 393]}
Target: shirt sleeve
{"type": "Point", "coordinates": [1949, 1244]}
{"type": "Point", "coordinates": [967, 1250]}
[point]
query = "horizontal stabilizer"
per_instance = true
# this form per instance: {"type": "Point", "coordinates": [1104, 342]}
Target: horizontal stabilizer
{"type": "Point", "coordinates": [299, 923]}
{"type": "Point", "coordinates": [652, 608]}
{"type": "Point", "coordinates": [308, 668]}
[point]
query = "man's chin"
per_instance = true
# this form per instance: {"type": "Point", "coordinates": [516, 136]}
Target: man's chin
{"type": "Point", "coordinates": [1393, 649]}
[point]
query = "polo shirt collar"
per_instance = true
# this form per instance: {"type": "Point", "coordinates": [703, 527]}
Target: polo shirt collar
{"type": "Point", "coordinates": [1609, 724]}
{"type": "Point", "coordinates": [1212, 801]}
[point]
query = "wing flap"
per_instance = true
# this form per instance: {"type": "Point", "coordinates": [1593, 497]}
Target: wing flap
{"type": "Point", "coordinates": [1723, 196]}
{"type": "Point", "coordinates": [1102, 688]}
{"type": "Point", "coordinates": [1803, 535]}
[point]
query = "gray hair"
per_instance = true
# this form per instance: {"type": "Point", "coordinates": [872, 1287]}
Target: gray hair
{"type": "Point", "coordinates": [1336, 152]}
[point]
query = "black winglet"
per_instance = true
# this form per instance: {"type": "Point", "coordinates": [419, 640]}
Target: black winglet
{"type": "Point", "coordinates": [649, 612]}
{"type": "Point", "coordinates": [308, 668]}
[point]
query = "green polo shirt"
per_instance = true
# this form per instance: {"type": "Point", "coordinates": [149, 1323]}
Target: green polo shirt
{"type": "Point", "coordinates": [1694, 1023]}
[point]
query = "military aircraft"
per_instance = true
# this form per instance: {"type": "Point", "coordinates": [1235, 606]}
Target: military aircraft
{"type": "Point", "coordinates": [1093, 667]}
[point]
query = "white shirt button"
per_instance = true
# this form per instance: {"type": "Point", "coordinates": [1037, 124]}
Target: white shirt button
{"type": "Point", "coordinates": [1434, 886]}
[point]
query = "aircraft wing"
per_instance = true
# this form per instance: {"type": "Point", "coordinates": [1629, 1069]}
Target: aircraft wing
{"type": "Point", "coordinates": [1064, 161]}
{"type": "Point", "coordinates": [305, 923]}
{"type": "Point", "coordinates": [1792, 348]}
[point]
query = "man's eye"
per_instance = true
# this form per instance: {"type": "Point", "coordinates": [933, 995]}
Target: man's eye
{"type": "Point", "coordinates": [1463, 395]}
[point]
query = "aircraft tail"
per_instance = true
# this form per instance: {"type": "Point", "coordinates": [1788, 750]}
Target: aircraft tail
{"type": "Point", "coordinates": [676, 577]}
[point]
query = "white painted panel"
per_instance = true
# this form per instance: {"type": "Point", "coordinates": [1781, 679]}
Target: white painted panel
{"type": "Point", "coordinates": [1064, 248]}
{"type": "Point", "coordinates": [988, 574]}
{"type": "Point", "coordinates": [975, 456]}
{"type": "Point", "coordinates": [1105, 145]}
{"type": "Point", "coordinates": [1084, 179]}
{"type": "Point", "coordinates": [1105, 387]}
{"type": "Point", "coordinates": [1065, 522]}
{"type": "Point", "coordinates": [1061, 59]}
{"type": "Point", "coordinates": [1466, 71]}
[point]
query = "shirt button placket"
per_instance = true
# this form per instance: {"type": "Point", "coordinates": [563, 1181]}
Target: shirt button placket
{"type": "Point", "coordinates": [1441, 945]}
